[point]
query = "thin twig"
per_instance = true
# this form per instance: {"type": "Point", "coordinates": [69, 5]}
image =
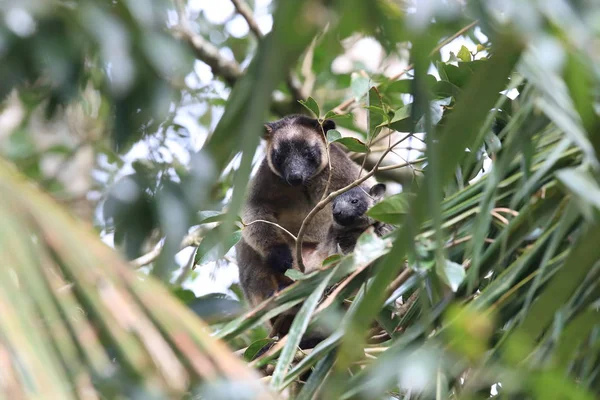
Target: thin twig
{"type": "Point", "coordinates": [327, 150]}
{"type": "Point", "coordinates": [246, 12]}
{"type": "Point", "coordinates": [330, 298]}
{"type": "Point", "coordinates": [148, 257]}
{"type": "Point", "coordinates": [405, 164]}
{"type": "Point", "coordinates": [507, 210]}
{"type": "Point", "coordinates": [192, 239]}
{"type": "Point", "coordinates": [405, 307]}
{"type": "Point", "coordinates": [500, 217]}
{"type": "Point", "coordinates": [189, 266]}
{"type": "Point", "coordinates": [271, 223]}
{"type": "Point", "coordinates": [400, 279]}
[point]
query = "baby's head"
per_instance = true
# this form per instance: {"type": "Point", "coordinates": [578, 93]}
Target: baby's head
{"type": "Point", "coordinates": [350, 208]}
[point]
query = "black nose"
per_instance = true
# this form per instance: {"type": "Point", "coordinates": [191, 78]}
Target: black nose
{"type": "Point", "coordinates": [342, 218]}
{"type": "Point", "coordinates": [294, 179]}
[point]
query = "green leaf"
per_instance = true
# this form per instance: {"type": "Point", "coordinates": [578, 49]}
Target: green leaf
{"type": "Point", "coordinates": [582, 258]}
{"type": "Point", "coordinates": [295, 275]}
{"type": "Point", "coordinates": [376, 114]}
{"type": "Point", "coordinates": [452, 274]}
{"type": "Point", "coordinates": [461, 74]}
{"type": "Point", "coordinates": [212, 248]}
{"type": "Point", "coordinates": [379, 111]}
{"type": "Point", "coordinates": [400, 86]}
{"type": "Point", "coordinates": [581, 184]}
{"type": "Point", "coordinates": [297, 330]}
{"type": "Point", "coordinates": [215, 307]}
{"type": "Point", "coordinates": [580, 79]}
{"type": "Point", "coordinates": [464, 54]}
{"type": "Point", "coordinates": [316, 378]}
{"type": "Point", "coordinates": [255, 347]}
{"type": "Point", "coordinates": [402, 113]}
{"type": "Point", "coordinates": [494, 145]}
{"type": "Point", "coordinates": [333, 135]}
{"type": "Point", "coordinates": [184, 295]}
{"type": "Point", "coordinates": [391, 210]}
{"type": "Point", "coordinates": [556, 104]}
{"type": "Point", "coordinates": [311, 105]}
{"type": "Point", "coordinates": [207, 217]}
{"type": "Point", "coordinates": [443, 89]}
{"type": "Point", "coordinates": [331, 259]}
{"type": "Point", "coordinates": [353, 144]}
{"type": "Point", "coordinates": [459, 131]}
{"type": "Point", "coordinates": [402, 121]}
{"type": "Point", "coordinates": [574, 335]}
{"type": "Point", "coordinates": [333, 115]}
{"type": "Point", "coordinates": [369, 247]}
{"type": "Point", "coordinates": [360, 86]}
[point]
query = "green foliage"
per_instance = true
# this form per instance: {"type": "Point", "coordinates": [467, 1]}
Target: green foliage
{"type": "Point", "coordinates": [490, 279]}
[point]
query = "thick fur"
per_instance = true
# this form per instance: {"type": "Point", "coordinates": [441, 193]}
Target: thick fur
{"type": "Point", "coordinates": [350, 219]}
{"type": "Point", "coordinates": [289, 183]}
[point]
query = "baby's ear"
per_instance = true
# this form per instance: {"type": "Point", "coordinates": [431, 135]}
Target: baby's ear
{"type": "Point", "coordinates": [377, 191]}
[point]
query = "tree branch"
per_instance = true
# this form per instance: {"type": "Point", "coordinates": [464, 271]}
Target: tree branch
{"type": "Point", "coordinates": [208, 53]}
{"type": "Point", "coordinates": [294, 85]}
{"type": "Point", "coordinates": [246, 12]}
{"type": "Point", "coordinates": [229, 70]}
{"type": "Point", "coordinates": [192, 239]}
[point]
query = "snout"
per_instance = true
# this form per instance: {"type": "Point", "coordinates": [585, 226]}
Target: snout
{"type": "Point", "coordinates": [344, 220]}
{"type": "Point", "coordinates": [295, 179]}
{"type": "Point", "coordinates": [343, 217]}
{"type": "Point", "coordinates": [296, 173]}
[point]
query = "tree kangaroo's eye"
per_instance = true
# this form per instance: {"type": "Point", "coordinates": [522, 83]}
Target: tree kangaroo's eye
{"type": "Point", "coordinates": [354, 201]}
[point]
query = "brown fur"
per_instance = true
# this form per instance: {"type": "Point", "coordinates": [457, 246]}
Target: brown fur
{"type": "Point", "coordinates": [271, 198]}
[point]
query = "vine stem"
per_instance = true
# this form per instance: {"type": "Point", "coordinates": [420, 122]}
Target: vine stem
{"type": "Point", "coordinates": [327, 144]}
{"type": "Point", "coordinates": [264, 221]}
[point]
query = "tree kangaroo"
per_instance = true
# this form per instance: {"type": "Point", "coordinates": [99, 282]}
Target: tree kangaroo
{"type": "Point", "coordinates": [290, 181]}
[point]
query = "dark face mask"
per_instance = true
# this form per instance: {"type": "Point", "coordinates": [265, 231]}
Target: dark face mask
{"type": "Point", "coordinates": [296, 162]}
{"type": "Point", "coordinates": [349, 208]}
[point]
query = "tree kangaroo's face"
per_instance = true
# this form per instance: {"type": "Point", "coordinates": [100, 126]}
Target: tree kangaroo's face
{"type": "Point", "coordinates": [349, 208]}
{"type": "Point", "coordinates": [296, 148]}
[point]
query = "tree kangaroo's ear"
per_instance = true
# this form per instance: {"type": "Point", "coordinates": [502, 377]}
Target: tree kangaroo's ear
{"type": "Point", "coordinates": [268, 133]}
{"type": "Point", "coordinates": [314, 123]}
{"type": "Point", "coordinates": [328, 124]}
{"type": "Point", "coordinates": [377, 191]}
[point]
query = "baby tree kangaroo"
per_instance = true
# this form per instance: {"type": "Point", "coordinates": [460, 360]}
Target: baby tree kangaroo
{"type": "Point", "coordinates": [350, 219]}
